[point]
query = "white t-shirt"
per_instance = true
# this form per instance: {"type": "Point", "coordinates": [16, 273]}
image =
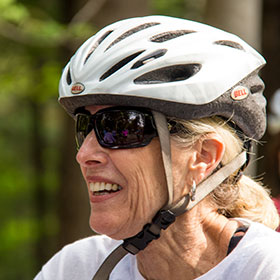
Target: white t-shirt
{"type": "Point", "coordinates": [257, 256]}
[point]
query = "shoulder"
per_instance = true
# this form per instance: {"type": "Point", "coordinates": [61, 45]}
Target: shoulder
{"type": "Point", "coordinates": [78, 260]}
{"type": "Point", "coordinates": [258, 253]}
{"type": "Point", "coordinates": [262, 249]}
{"type": "Point", "coordinates": [257, 256]}
{"type": "Point", "coordinates": [260, 235]}
{"type": "Point", "coordinates": [263, 241]}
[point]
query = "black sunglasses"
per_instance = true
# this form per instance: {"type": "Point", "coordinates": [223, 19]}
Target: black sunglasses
{"type": "Point", "coordinates": [118, 127]}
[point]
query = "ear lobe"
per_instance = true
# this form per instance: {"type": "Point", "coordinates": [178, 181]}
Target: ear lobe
{"type": "Point", "coordinates": [207, 156]}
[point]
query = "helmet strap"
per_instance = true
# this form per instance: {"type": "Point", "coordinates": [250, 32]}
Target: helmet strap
{"type": "Point", "coordinates": [164, 138]}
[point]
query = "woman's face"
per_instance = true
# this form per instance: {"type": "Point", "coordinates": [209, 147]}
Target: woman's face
{"type": "Point", "coordinates": [138, 176]}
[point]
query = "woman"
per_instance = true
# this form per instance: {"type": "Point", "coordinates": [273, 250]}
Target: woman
{"type": "Point", "coordinates": [190, 99]}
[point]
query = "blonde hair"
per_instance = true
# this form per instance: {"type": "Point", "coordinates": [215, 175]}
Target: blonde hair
{"type": "Point", "coordinates": [245, 198]}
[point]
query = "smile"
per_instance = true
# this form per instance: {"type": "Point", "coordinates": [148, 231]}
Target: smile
{"type": "Point", "coordinates": [102, 188]}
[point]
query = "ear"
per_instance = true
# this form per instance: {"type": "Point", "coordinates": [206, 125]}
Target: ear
{"type": "Point", "coordinates": [206, 156]}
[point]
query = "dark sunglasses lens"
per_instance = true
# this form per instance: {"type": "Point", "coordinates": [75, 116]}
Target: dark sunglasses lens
{"type": "Point", "coordinates": [83, 128]}
{"type": "Point", "coordinates": [116, 128]}
{"type": "Point", "coordinates": [124, 129]}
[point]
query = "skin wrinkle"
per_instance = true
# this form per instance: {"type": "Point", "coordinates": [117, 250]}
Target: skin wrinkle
{"type": "Point", "coordinates": [145, 194]}
{"type": "Point", "coordinates": [114, 173]}
{"type": "Point", "coordinates": [142, 201]}
{"type": "Point", "coordinates": [191, 258]}
{"type": "Point", "coordinates": [138, 200]}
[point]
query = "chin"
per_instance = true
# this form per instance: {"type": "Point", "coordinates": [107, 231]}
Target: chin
{"type": "Point", "coordinates": [105, 226]}
{"type": "Point", "coordinates": [111, 228]}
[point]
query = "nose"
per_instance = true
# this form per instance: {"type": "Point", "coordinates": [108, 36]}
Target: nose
{"type": "Point", "coordinates": [91, 153]}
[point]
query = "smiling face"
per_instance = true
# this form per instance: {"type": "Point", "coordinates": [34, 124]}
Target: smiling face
{"type": "Point", "coordinates": [126, 186]}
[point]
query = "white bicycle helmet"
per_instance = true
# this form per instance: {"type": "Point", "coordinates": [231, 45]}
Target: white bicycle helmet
{"type": "Point", "coordinates": [177, 68]}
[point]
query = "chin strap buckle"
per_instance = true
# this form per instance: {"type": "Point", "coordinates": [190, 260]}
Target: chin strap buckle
{"type": "Point", "coordinates": [162, 220]}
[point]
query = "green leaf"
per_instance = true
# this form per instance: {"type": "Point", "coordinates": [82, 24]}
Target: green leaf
{"type": "Point", "coordinates": [12, 12]}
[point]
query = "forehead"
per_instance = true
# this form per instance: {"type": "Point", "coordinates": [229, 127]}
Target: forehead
{"type": "Point", "coordinates": [95, 108]}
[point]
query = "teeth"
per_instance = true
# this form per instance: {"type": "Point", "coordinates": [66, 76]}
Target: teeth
{"type": "Point", "coordinates": [95, 187]}
{"type": "Point", "coordinates": [101, 186]}
{"type": "Point", "coordinates": [108, 187]}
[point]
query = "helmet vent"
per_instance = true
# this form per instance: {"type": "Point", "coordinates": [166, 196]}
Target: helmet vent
{"type": "Point", "coordinates": [169, 74]}
{"type": "Point", "coordinates": [166, 36]}
{"type": "Point", "coordinates": [118, 66]}
{"type": "Point", "coordinates": [132, 31]}
{"type": "Point", "coordinates": [149, 58]}
{"type": "Point", "coordinates": [230, 44]}
{"type": "Point", "coordinates": [97, 43]}
{"type": "Point", "coordinates": [68, 77]}
{"type": "Point", "coordinates": [257, 88]}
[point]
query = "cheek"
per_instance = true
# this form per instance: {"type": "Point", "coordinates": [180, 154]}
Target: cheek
{"type": "Point", "coordinates": [147, 191]}
{"type": "Point", "coordinates": [151, 183]}
{"type": "Point", "coordinates": [180, 186]}
{"type": "Point", "coordinates": [180, 171]}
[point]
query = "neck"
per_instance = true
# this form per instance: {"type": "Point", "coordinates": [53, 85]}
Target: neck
{"type": "Point", "coordinates": [189, 248]}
